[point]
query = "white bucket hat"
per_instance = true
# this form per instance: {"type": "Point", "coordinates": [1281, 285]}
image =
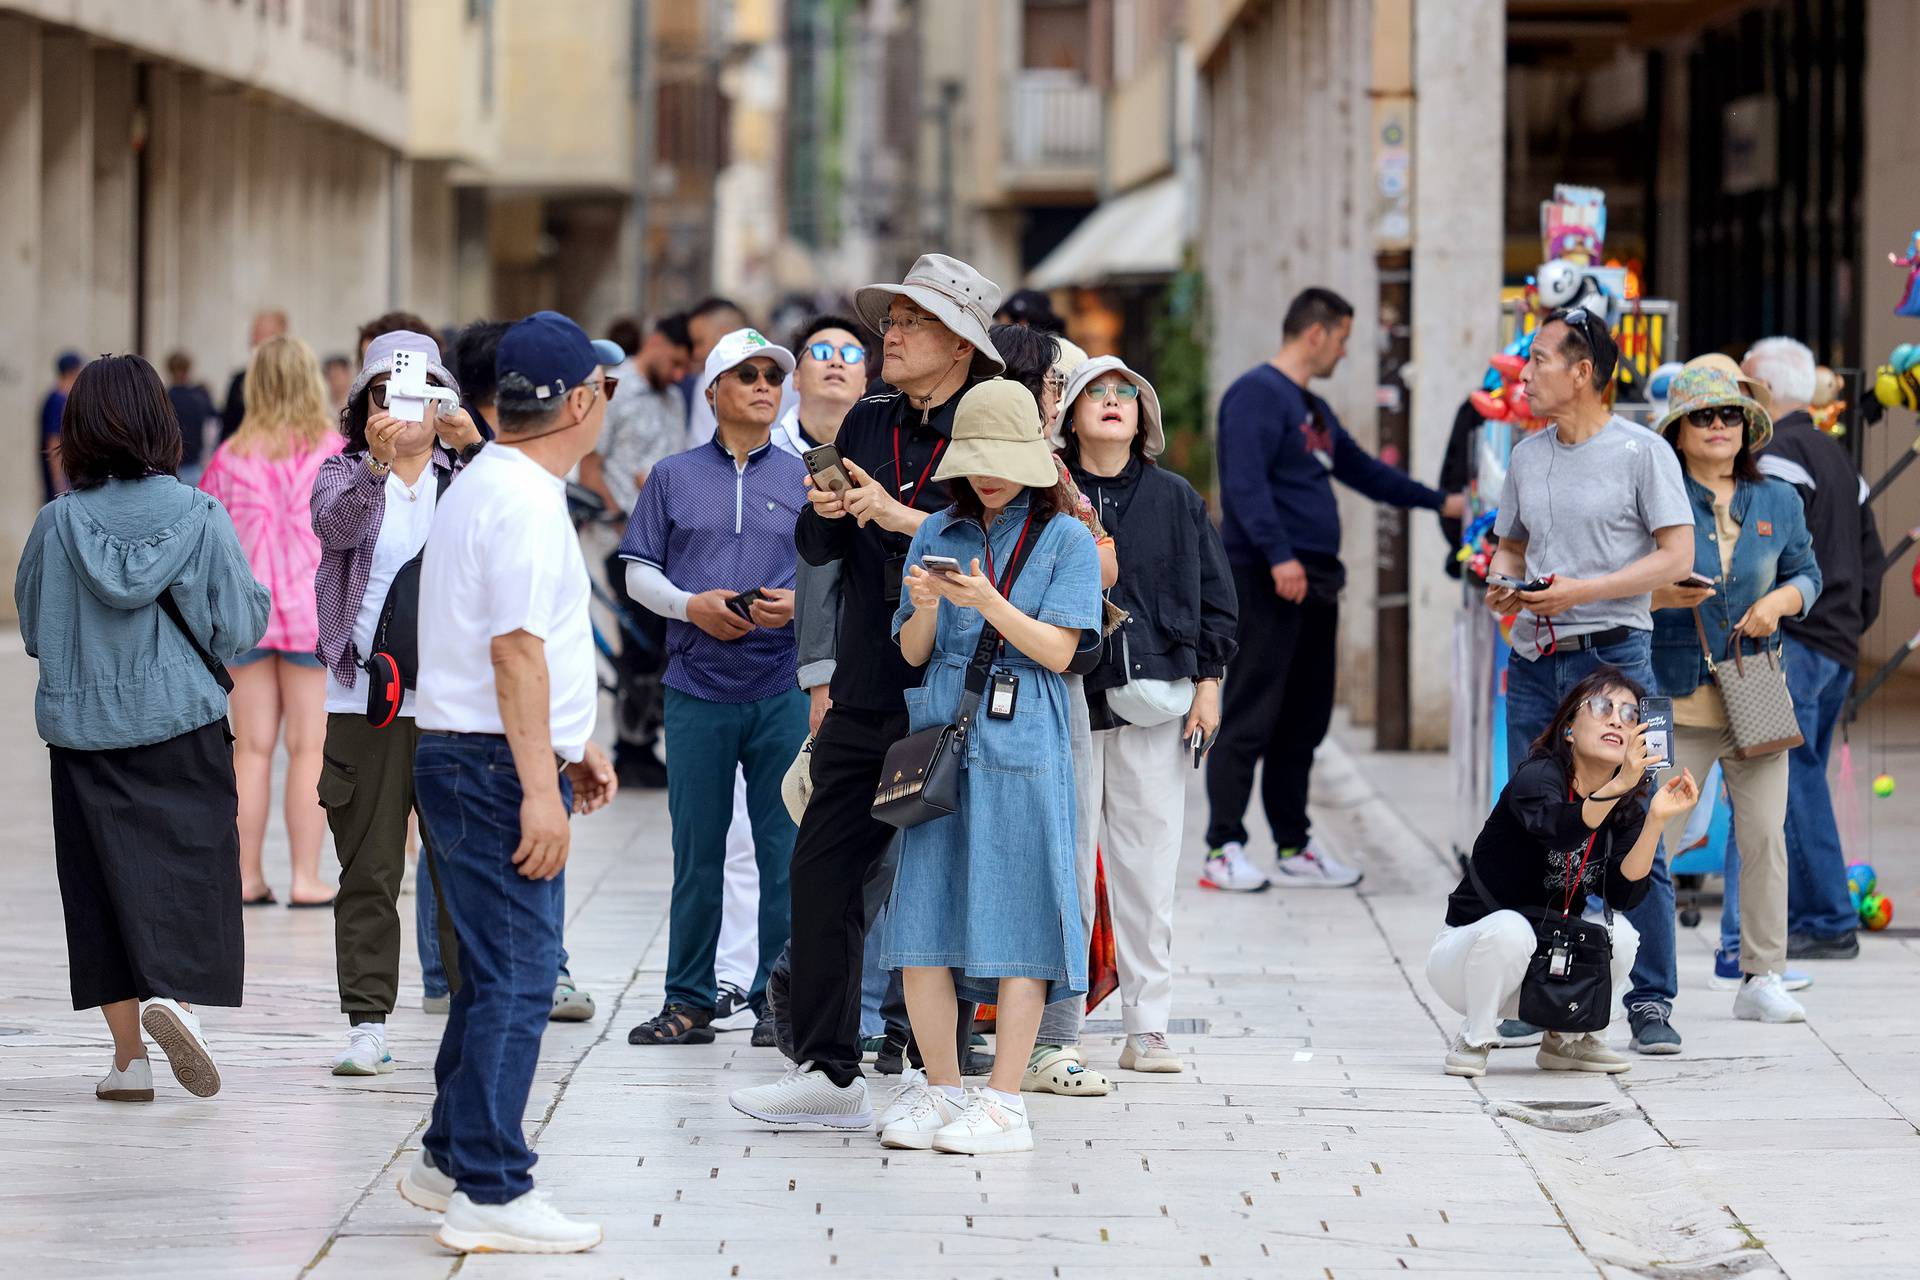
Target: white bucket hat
{"type": "Point", "coordinates": [1082, 377]}
{"type": "Point", "coordinates": [951, 291]}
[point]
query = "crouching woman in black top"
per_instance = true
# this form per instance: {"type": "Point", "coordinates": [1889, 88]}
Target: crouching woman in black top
{"type": "Point", "coordinates": [1572, 822]}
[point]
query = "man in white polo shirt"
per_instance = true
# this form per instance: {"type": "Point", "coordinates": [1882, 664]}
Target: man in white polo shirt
{"type": "Point", "coordinates": [505, 707]}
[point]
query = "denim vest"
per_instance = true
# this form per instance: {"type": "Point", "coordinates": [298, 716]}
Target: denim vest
{"type": "Point", "coordinates": [1774, 550]}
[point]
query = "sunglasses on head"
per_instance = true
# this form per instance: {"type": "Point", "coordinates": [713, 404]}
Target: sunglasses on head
{"type": "Point", "coordinates": [1731, 414]}
{"type": "Point", "coordinates": [1097, 391]}
{"type": "Point", "coordinates": [746, 375]}
{"type": "Point", "coordinates": [1602, 706]}
{"type": "Point", "coordinates": [850, 352]}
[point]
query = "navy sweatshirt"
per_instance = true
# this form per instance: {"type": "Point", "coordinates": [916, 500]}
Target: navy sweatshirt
{"type": "Point", "coordinates": [1279, 448]}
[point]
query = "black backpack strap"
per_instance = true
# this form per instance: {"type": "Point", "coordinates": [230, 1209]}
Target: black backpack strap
{"type": "Point", "coordinates": [215, 668]}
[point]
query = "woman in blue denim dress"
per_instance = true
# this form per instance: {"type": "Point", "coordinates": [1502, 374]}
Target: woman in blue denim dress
{"type": "Point", "coordinates": [985, 905]}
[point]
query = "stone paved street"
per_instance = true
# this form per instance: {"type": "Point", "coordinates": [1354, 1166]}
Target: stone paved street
{"type": "Point", "coordinates": [1314, 1136]}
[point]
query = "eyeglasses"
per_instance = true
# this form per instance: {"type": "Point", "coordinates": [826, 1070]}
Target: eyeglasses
{"type": "Point", "coordinates": [911, 322]}
{"type": "Point", "coordinates": [1602, 706]}
{"type": "Point", "coordinates": [746, 375]}
{"type": "Point", "coordinates": [850, 352]}
{"type": "Point", "coordinates": [1731, 414]}
{"type": "Point", "coordinates": [1097, 392]}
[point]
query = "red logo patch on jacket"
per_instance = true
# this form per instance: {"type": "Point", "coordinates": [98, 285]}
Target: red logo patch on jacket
{"type": "Point", "coordinates": [1766, 528]}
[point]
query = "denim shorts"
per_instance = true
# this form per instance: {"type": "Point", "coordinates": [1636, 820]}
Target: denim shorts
{"type": "Point", "coordinates": [252, 656]}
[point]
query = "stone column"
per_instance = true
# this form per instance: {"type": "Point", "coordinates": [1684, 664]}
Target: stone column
{"type": "Point", "coordinates": [111, 323]}
{"type": "Point", "coordinates": [66, 198]}
{"type": "Point", "coordinates": [165, 145]}
{"type": "Point", "coordinates": [23, 373]}
{"type": "Point", "coordinates": [1458, 52]}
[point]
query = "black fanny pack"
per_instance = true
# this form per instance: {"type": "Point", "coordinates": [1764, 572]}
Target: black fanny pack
{"type": "Point", "coordinates": [1569, 980]}
{"type": "Point", "coordinates": [393, 664]}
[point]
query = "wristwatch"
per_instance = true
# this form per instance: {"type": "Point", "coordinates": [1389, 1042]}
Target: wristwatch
{"type": "Point", "coordinates": [472, 451]}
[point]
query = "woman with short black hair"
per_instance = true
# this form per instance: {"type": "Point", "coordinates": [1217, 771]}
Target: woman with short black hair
{"type": "Point", "coordinates": [1573, 822]}
{"type": "Point", "coordinates": [132, 591]}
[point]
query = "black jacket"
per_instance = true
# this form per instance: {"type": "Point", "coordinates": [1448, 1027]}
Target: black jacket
{"type": "Point", "coordinates": [1174, 581]}
{"type": "Point", "coordinates": [1846, 542]}
{"type": "Point", "coordinates": [869, 674]}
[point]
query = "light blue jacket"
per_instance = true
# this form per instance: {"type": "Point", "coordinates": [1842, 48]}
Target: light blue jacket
{"type": "Point", "coordinates": [114, 670]}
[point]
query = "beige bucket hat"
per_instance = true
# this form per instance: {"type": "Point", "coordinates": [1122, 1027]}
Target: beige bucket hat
{"type": "Point", "coordinates": [1757, 391]}
{"type": "Point", "coordinates": [954, 293]}
{"type": "Point", "coordinates": [1706, 386]}
{"type": "Point", "coordinates": [993, 436]}
{"type": "Point", "coordinates": [1084, 376]}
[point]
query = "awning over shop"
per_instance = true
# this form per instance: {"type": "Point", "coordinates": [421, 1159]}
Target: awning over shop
{"type": "Point", "coordinates": [1130, 237]}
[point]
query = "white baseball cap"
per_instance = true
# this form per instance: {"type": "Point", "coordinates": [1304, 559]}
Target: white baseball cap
{"type": "Point", "coordinates": [739, 347]}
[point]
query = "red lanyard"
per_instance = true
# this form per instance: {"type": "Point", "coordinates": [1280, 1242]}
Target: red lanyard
{"type": "Point", "coordinates": [932, 462]}
{"type": "Point", "coordinates": [1580, 876]}
{"type": "Point", "coordinates": [1013, 566]}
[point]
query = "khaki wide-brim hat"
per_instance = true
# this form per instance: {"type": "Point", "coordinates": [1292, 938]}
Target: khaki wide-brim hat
{"type": "Point", "coordinates": [993, 436]}
{"type": "Point", "coordinates": [1710, 387]}
{"type": "Point", "coordinates": [1757, 391]}
{"type": "Point", "coordinates": [1084, 376]}
{"type": "Point", "coordinates": [951, 291]}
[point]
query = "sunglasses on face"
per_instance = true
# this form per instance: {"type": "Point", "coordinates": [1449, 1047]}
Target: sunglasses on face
{"type": "Point", "coordinates": [1731, 414]}
{"type": "Point", "coordinates": [850, 352]}
{"type": "Point", "coordinates": [1097, 392]}
{"type": "Point", "coordinates": [746, 375]}
{"type": "Point", "coordinates": [1602, 706]}
{"type": "Point", "coordinates": [377, 394]}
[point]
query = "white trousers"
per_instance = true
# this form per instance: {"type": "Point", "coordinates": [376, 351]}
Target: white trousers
{"type": "Point", "coordinates": [1140, 810]}
{"type": "Point", "coordinates": [1476, 968]}
{"type": "Point", "coordinates": [737, 957]}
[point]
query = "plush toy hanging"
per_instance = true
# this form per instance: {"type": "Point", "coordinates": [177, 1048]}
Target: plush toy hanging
{"type": "Point", "coordinates": [1909, 301]}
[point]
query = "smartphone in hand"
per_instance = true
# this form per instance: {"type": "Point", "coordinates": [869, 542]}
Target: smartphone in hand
{"type": "Point", "coordinates": [743, 603]}
{"type": "Point", "coordinates": [1696, 582]}
{"type": "Point", "coordinates": [1657, 715]}
{"type": "Point", "coordinates": [1507, 583]}
{"type": "Point", "coordinates": [942, 564]}
{"type": "Point", "coordinates": [823, 464]}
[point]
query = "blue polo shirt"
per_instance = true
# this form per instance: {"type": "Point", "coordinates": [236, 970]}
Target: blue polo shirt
{"type": "Point", "coordinates": [708, 523]}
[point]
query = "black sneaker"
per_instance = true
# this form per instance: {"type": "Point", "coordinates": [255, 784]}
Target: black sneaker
{"type": "Point", "coordinates": [1652, 1033]}
{"type": "Point", "coordinates": [778, 1012]}
{"type": "Point", "coordinates": [733, 1012]}
{"type": "Point", "coordinates": [675, 1024]}
{"type": "Point", "coordinates": [1804, 946]}
{"type": "Point", "coordinates": [977, 1064]}
{"type": "Point", "coordinates": [891, 1057]}
{"type": "Point", "coordinates": [763, 1037]}
{"type": "Point", "coordinates": [639, 768]}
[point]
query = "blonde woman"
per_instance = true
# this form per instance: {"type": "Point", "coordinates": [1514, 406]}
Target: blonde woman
{"type": "Point", "coordinates": [264, 477]}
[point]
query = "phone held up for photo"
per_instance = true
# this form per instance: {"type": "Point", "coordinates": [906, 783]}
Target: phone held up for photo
{"type": "Point", "coordinates": [823, 464]}
{"type": "Point", "coordinates": [1657, 715]}
{"type": "Point", "coordinates": [743, 603]}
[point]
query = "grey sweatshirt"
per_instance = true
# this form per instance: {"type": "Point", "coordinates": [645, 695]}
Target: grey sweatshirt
{"type": "Point", "coordinates": [114, 670]}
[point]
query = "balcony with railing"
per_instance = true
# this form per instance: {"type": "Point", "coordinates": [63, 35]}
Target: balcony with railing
{"type": "Point", "coordinates": [1054, 130]}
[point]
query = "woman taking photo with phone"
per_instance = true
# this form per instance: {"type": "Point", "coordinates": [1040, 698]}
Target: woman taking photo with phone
{"type": "Point", "coordinates": [372, 508]}
{"type": "Point", "coordinates": [264, 477]}
{"type": "Point", "coordinates": [1751, 542]}
{"type": "Point", "coordinates": [1154, 700]}
{"type": "Point", "coordinates": [1573, 821]}
{"type": "Point", "coordinates": [985, 905]}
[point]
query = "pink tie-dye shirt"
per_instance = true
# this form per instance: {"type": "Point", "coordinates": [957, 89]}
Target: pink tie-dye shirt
{"type": "Point", "coordinates": [270, 502]}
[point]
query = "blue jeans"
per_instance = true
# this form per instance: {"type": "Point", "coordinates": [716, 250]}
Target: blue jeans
{"type": "Point", "coordinates": [509, 929]}
{"type": "Point", "coordinates": [433, 974]}
{"type": "Point", "coordinates": [1818, 903]}
{"type": "Point", "coordinates": [1535, 691]}
{"type": "Point", "coordinates": [705, 741]}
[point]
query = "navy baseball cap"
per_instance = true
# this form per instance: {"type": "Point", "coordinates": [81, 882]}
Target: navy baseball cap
{"type": "Point", "coordinates": [547, 355]}
{"type": "Point", "coordinates": [68, 362]}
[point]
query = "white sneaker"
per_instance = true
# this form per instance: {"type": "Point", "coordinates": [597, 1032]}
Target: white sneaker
{"type": "Point", "coordinates": [425, 1187]}
{"type": "Point", "coordinates": [135, 1084]}
{"type": "Point", "coordinates": [1579, 1053]}
{"type": "Point", "coordinates": [989, 1126]}
{"type": "Point", "coordinates": [1149, 1052]}
{"type": "Point", "coordinates": [1765, 999]}
{"type": "Point", "coordinates": [733, 1011]}
{"type": "Point", "coordinates": [366, 1052]}
{"type": "Point", "coordinates": [912, 1081]}
{"type": "Point", "coordinates": [1314, 868]}
{"type": "Point", "coordinates": [917, 1113]}
{"type": "Point", "coordinates": [806, 1096]}
{"type": "Point", "coordinates": [1229, 868]}
{"type": "Point", "coordinates": [526, 1225]}
{"type": "Point", "coordinates": [441, 1005]}
{"type": "Point", "coordinates": [177, 1032]}
{"type": "Point", "coordinates": [1467, 1060]}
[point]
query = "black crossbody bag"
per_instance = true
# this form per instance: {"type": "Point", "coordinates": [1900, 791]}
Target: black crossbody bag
{"type": "Point", "coordinates": [920, 779]}
{"type": "Point", "coordinates": [1569, 980]}
{"type": "Point", "coordinates": [215, 668]}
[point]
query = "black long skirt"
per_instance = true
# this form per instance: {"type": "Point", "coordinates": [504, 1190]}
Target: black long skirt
{"type": "Point", "coordinates": [149, 858]}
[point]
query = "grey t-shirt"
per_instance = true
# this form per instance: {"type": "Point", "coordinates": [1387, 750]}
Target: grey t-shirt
{"type": "Point", "coordinates": [1588, 510]}
{"type": "Point", "coordinates": [642, 428]}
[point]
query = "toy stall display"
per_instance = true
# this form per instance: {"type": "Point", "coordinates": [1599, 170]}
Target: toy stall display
{"type": "Point", "coordinates": [1910, 299]}
{"type": "Point", "coordinates": [1574, 273]}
